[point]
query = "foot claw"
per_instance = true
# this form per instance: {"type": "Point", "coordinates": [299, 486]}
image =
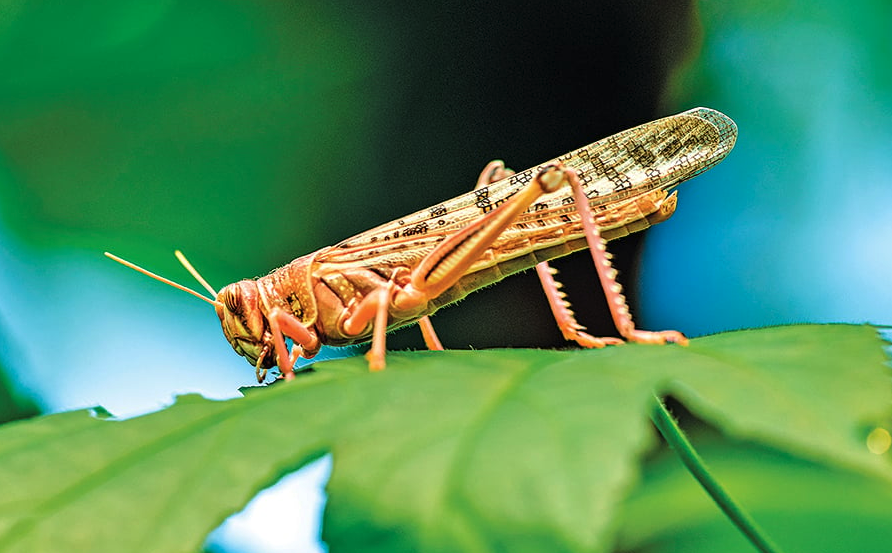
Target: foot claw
{"type": "Point", "coordinates": [659, 337]}
{"type": "Point", "coordinates": [588, 341]}
{"type": "Point", "coordinates": [376, 363]}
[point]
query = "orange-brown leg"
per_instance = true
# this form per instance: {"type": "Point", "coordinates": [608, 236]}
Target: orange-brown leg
{"type": "Point", "coordinates": [373, 307]}
{"type": "Point", "coordinates": [444, 265]}
{"type": "Point", "coordinates": [560, 307]}
{"type": "Point", "coordinates": [564, 316]}
{"type": "Point", "coordinates": [431, 340]}
{"type": "Point", "coordinates": [619, 309]}
{"type": "Point", "coordinates": [376, 354]}
{"type": "Point", "coordinates": [452, 257]}
{"type": "Point", "coordinates": [493, 172]}
{"type": "Point", "coordinates": [306, 343]}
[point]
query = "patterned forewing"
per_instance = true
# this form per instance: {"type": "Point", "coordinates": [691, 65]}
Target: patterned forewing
{"type": "Point", "coordinates": [614, 171]}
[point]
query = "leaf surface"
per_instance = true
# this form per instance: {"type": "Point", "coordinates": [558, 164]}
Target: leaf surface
{"type": "Point", "coordinates": [520, 450]}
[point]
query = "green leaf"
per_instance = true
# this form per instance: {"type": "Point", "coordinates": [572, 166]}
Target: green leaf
{"type": "Point", "coordinates": [480, 451]}
{"type": "Point", "coordinates": [807, 507]}
{"type": "Point", "coordinates": [811, 390]}
{"type": "Point", "coordinates": [518, 450]}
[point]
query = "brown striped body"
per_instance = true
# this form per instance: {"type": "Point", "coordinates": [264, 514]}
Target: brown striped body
{"type": "Point", "coordinates": [627, 178]}
{"type": "Point", "coordinates": [319, 291]}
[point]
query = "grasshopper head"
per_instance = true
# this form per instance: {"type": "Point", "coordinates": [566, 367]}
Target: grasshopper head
{"type": "Point", "coordinates": [244, 325]}
{"type": "Point", "coordinates": [239, 308]}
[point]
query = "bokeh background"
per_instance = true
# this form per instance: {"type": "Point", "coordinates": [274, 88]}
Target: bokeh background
{"type": "Point", "coordinates": [249, 133]}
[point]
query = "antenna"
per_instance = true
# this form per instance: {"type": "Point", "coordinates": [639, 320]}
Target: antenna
{"type": "Point", "coordinates": [193, 272]}
{"type": "Point", "coordinates": [188, 266]}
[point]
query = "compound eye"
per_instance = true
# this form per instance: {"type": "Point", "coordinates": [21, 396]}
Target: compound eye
{"type": "Point", "coordinates": [233, 302]}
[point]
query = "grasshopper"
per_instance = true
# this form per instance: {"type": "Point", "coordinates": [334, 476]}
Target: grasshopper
{"type": "Point", "coordinates": [402, 272]}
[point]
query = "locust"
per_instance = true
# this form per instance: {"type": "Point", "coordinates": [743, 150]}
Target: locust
{"type": "Point", "coordinates": [402, 272]}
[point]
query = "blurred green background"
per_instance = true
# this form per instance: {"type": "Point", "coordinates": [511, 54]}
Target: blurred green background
{"type": "Point", "coordinates": [249, 133]}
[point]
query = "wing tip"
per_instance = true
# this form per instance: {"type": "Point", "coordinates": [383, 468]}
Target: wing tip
{"type": "Point", "coordinates": [726, 126]}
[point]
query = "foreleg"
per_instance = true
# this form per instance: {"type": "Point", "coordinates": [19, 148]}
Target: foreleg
{"type": "Point", "coordinates": [306, 343]}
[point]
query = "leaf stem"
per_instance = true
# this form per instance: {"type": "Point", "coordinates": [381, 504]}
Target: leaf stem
{"type": "Point", "coordinates": [679, 442]}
